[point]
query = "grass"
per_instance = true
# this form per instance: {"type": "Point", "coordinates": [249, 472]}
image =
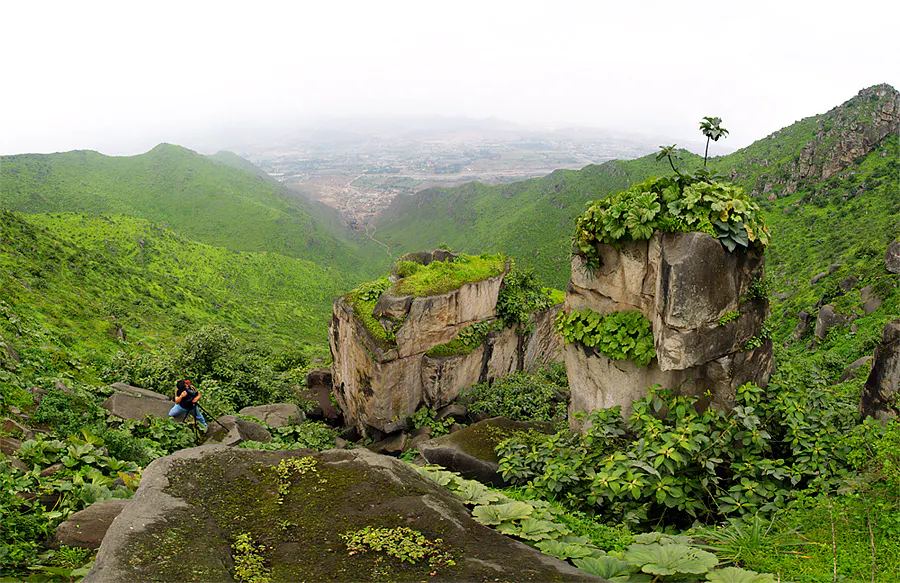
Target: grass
{"type": "Point", "coordinates": [440, 277]}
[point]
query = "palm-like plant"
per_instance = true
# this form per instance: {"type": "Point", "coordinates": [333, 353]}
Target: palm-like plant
{"type": "Point", "coordinates": [668, 152]}
{"type": "Point", "coordinates": [711, 128]}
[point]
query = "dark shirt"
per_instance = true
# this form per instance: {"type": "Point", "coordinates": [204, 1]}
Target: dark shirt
{"type": "Point", "coordinates": [187, 402]}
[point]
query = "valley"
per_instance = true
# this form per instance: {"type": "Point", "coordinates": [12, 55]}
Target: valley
{"type": "Point", "coordinates": [357, 311]}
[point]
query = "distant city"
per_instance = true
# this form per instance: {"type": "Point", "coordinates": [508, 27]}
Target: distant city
{"type": "Point", "coordinates": [359, 167]}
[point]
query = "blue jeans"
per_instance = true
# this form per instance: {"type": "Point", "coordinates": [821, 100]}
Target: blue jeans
{"type": "Point", "coordinates": [196, 412]}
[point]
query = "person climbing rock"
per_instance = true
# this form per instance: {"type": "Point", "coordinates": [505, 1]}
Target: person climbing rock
{"type": "Point", "coordinates": [186, 402]}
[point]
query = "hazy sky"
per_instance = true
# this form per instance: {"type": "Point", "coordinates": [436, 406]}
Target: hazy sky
{"type": "Point", "coordinates": [121, 76]}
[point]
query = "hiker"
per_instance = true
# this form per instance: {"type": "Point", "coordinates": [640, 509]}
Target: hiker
{"type": "Point", "coordinates": [186, 402]}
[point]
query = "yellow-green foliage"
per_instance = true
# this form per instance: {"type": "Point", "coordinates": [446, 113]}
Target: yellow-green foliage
{"type": "Point", "coordinates": [440, 277]}
{"type": "Point", "coordinates": [402, 543]}
{"type": "Point", "coordinates": [249, 565]}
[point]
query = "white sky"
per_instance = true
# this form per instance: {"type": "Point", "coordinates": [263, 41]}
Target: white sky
{"type": "Point", "coordinates": [121, 76]}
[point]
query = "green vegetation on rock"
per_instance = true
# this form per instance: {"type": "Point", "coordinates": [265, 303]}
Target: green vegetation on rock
{"type": "Point", "coordinates": [618, 335]}
{"type": "Point", "coordinates": [440, 277]}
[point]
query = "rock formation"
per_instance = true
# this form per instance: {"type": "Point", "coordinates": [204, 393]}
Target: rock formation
{"type": "Point", "coordinates": [378, 385]}
{"type": "Point", "coordinates": [684, 284]}
{"type": "Point", "coordinates": [192, 506]}
{"type": "Point", "coordinates": [881, 395]}
{"type": "Point", "coordinates": [129, 402]}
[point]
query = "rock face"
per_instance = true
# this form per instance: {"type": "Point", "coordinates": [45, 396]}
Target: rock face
{"type": "Point", "coordinates": [129, 402]}
{"type": "Point", "coordinates": [470, 451]}
{"type": "Point", "coordinates": [826, 320]}
{"type": "Point", "coordinates": [191, 507]}
{"type": "Point", "coordinates": [379, 385]}
{"type": "Point", "coordinates": [892, 257]}
{"type": "Point", "coordinates": [684, 283]}
{"type": "Point", "coordinates": [881, 395]}
{"type": "Point", "coordinates": [86, 528]}
{"type": "Point", "coordinates": [842, 135]}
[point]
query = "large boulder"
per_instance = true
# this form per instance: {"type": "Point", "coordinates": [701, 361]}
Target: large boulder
{"type": "Point", "coordinates": [129, 402]}
{"type": "Point", "coordinates": [276, 414]}
{"type": "Point", "coordinates": [706, 331]}
{"type": "Point", "coordinates": [231, 430]}
{"type": "Point", "coordinates": [470, 451]}
{"type": "Point", "coordinates": [86, 528]}
{"type": "Point", "coordinates": [881, 395]}
{"type": "Point", "coordinates": [379, 384]}
{"type": "Point", "coordinates": [828, 319]}
{"type": "Point", "coordinates": [319, 386]}
{"type": "Point", "coordinates": [192, 506]}
{"type": "Point", "coordinates": [892, 257]}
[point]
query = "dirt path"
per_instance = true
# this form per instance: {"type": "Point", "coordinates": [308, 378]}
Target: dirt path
{"type": "Point", "coordinates": [370, 233]}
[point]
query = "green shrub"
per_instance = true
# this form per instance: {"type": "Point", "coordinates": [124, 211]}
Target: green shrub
{"type": "Point", "coordinates": [619, 335]}
{"type": "Point", "coordinates": [520, 296]}
{"type": "Point", "coordinates": [679, 203]}
{"type": "Point", "coordinates": [67, 414]}
{"type": "Point", "coordinates": [426, 417]}
{"type": "Point", "coordinates": [522, 396]}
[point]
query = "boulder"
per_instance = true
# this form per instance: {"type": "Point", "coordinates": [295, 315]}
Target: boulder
{"type": "Point", "coordinates": [817, 278]}
{"type": "Point", "coordinates": [192, 506]}
{"type": "Point", "coordinates": [684, 284]}
{"type": "Point", "coordinates": [881, 394]}
{"type": "Point", "coordinates": [892, 257]}
{"type": "Point", "coordinates": [231, 430]}
{"type": "Point", "coordinates": [458, 412]}
{"type": "Point", "coordinates": [390, 445]}
{"type": "Point", "coordinates": [276, 415]}
{"type": "Point", "coordinates": [848, 283]}
{"type": "Point", "coordinates": [470, 451]}
{"type": "Point", "coordinates": [137, 391]}
{"type": "Point", "coordinates": [128, 405]}
{"type": "Point", "coordinates": [850, 371]}
{"type": "Point", "coordinates": [800, 329]}
{"type": "Point", "coordinates": [828, 319]}
{"type": "Point", "coordinates": [379, 385]}
{"type": "Point", "coordinates": [10, 445]}
{"type": "Point", "coordinates": [86, 528]}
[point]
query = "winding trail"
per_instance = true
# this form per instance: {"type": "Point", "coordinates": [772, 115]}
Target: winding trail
{"type": "Point", "coordinates": [371, 235]}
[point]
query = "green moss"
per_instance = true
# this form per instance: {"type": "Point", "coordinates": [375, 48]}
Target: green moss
{"type": "Point", "coordinates": [440, 277]}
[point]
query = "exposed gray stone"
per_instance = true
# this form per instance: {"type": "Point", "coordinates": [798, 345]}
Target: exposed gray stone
{"type": "Point", "coordinates": [86, 528]}
{"type": "Point", "coordinates": [10, 445]}
{"type": "Point", "coordinates": [881, 395]}
{"type": "Point", "coordinates": [454, 410]}
{"type": "Point", "coordinates": [137, 391]}
{"type": "Point", "coordinates": [470, 451]}
{"type": "Point", "coordinates": [850, 371]}
{"type": "Point", "coordinates": [871, 304]}
{"type": "Point", "coordinates": [817, 278]}
{"type": "Point", "coordinates": [800, 329]}
{"type": "Point", "coordinates": [276, 415]}
{"type": "Point", "coordinates": [392, 444]}
{"type": "Point", "coordinates": [892, 257]}
{"type": "Point", "coordinates": [848, 283]}
{"type": "Point", "coordinates": [828, 319]}
{"type": "Point", "coordinates": [230, 430]}
{"type": "Point", "coordinates": [684, 283]}
{"type": "Point", "coordinates": [182, 521]}
{"type": "Point", "coordinates": [132, 406]}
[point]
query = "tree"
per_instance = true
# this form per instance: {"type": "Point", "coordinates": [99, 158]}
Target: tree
{"type": "Point", "coordinates": [713, 131]}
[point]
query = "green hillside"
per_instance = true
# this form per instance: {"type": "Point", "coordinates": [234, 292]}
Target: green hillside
{"type": "Point", "coordinates": [534, 220]}
{"type": "Point", "coordinates": [70, 281]}
{"type": "Point", "coordinates": [210, 200]}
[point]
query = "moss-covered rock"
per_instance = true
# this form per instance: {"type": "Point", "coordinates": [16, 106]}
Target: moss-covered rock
{"type": "Point", "coordinates": [470, 451]}
{"type": "Point", "coordinates": [295, 506]}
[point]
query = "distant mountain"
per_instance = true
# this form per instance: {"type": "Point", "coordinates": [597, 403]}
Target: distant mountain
{"type": "Point", "coordinates": [219, 200]}
{"type": "Point", "coordinates": [533, 220]}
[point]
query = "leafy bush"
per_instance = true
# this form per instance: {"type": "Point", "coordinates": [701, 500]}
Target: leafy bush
{"type": "Point", "coordinates": [669, 459]}
{"type": "Point", "coordinates": [307, 435]}
{"type": "Point", "coordinates": [679, 203]}
{"type": "Point", "coordinates": [67, 414]}
{"type": "Point", "coordinates": [426, 417]}
{"type": "Point", "coordinates": [520, 296]}
{"type": "Point", "coordinates": [521, 396]}
{"type": "Point", "coordinates": [619, 335]}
